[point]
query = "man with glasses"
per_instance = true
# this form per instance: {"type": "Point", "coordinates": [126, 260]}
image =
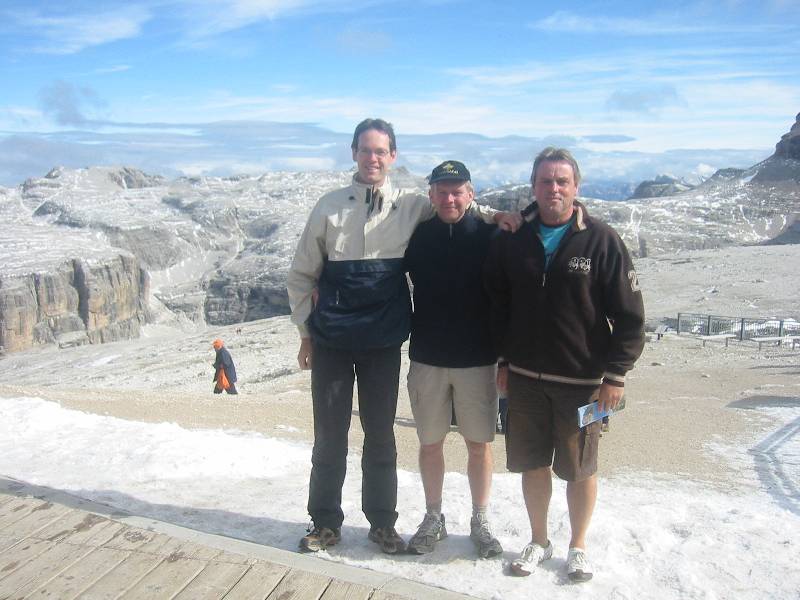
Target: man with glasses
{"type": "Point", "coordinates": [350, 301]}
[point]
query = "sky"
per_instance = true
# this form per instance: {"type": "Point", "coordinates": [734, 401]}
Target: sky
{"type": "Point", "coordinates": [687, 540]}
{"type": "Point", "coordinates": [228, 86]}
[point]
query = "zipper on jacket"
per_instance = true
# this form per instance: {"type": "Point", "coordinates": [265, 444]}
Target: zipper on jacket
{"type": "Point", "coordinates": [544, 278]}
{"type": "Point", "coordinates": [337, 297]}
{"type": "Point", "coordinates": [450, 228]}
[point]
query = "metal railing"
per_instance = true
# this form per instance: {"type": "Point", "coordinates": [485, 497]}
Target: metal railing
{"type": "Point", "coordinates": [743, 328]}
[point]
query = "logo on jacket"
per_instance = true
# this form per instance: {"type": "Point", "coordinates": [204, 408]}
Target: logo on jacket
{"type": "Point", "coordinates": [579, 264]}
{"type": "Point", "coordinates": [634, 279]}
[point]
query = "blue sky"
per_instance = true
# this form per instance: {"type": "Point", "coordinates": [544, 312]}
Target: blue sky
{"type": "Point", "coordinates": [221, 86]}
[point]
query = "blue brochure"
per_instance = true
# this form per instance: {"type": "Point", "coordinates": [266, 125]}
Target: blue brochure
{"type": "Point", "coordinates": [591, 413]}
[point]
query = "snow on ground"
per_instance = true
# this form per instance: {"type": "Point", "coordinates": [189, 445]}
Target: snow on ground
{"type": "Point", "coordinates": [652, 536]}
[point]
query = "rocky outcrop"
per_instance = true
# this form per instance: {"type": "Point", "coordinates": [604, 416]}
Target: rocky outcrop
{"type": "Point", "coordinates": [663, 185]}
{"type": "Point", "coordinates": [789, 145]}
{"type": "Point", "coordinates": [784, 164]}
{"type": "Point", "coordinates": [131, 179]}
{"type": "Point", "coordinates": [78, 302]}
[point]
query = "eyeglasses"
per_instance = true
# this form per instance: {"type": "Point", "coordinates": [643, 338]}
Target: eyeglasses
{"type": "Point", "coordinates": [380, 153]}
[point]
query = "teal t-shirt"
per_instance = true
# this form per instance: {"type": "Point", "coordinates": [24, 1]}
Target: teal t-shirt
{"type": "Point", "coordinates": [551, 238]}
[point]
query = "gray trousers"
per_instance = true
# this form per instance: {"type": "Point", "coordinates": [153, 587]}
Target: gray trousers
{"type": "Point", "coordinates": [333, 374]}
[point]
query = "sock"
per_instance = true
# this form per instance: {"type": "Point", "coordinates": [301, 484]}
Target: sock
{"type": "Point", "coordinates": [434, 509]}
{"type": "Point", "coordinates": [479, 512]}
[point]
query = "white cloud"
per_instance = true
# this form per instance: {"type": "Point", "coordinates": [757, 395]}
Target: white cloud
{"type": "Point", "coordinates": [506, 75]}
{"type": "Point", "coordinates": [71, 34]}
{"type": "Point", "coordinates": [283, 88]}
{"type": "Point", "coordinates": [114, 69]}
{"type": "Point", "coordinates": [358, 41]}
{"type": "Point", "coordinates": [213, 17]}
{"type": "Point", "coordinates": [309, 164]}
{"type": "Point", "coordinates": [65, 102]}
{"type": "Point", "coordinates": [704, 171]}
{"type": "Point", "coordinates": [645, 99]}
{"type": "Point", "coordinates": [11, 116]}
{"type": "Point", "coordinates": [565, 21]}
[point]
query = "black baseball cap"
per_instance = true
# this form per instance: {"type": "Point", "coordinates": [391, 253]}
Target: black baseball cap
{"type": "Point", "coordinates": [449, 169]}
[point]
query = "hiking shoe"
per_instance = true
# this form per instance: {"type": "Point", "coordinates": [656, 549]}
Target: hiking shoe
{"type": "Point", "coordinates": [482, 537]}
{"type": "Point", "coordinates": [431, 530]}
{"type": "Point", "coordinates": [319, 538]}
{"type": "Point", "coordinates": [578, 567]}
{"type": "Point", "coordinates": [532, 555]}
{"type": "Point", "coordinates": [388, 539]}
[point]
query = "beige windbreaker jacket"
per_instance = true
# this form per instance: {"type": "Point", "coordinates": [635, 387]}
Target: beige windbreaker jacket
{"type": "Point", "coordinates": [356, 223]}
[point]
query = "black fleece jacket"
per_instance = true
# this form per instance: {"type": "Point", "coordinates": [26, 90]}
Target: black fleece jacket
{"type": "Point", "coordinates": [581, 321]}
{"type": "Point", "coordinates": [449, 325]}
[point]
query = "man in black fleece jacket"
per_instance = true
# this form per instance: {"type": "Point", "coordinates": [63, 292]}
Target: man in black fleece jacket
{"type": "Point", "coordinates": [453, 363]}
{"type": "Point", "coordinates": [568, 319]}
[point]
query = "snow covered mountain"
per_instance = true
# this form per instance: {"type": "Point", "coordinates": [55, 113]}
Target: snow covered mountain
{"type": "Point", "coordinates": [91, 254]}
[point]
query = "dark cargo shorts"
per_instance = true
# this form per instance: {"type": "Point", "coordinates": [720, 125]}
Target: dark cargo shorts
{"type": "Point", "coordinates": [543, 428]}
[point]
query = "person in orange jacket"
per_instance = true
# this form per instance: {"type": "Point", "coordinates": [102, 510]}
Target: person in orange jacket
{"type": "Point", "coordinates": [224, 369]}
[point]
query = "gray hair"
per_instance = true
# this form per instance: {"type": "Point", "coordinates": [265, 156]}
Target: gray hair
{"type": "Point", "coordinates": [553, 154]}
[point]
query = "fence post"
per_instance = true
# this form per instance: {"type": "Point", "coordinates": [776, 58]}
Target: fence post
{"type": "Point", "coordinates": [708, 325]}
{"type": "Point", "coordinates": [780, 328]}
{"type": "Point", "coordinates": [678, 326]}
{"type": "Point", "coordinates": [741, 331]}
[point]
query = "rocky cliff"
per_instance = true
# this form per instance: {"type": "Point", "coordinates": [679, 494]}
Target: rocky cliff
{"type": "Point", "coordinates": [789, 145]}
{"type": "Point", "coordinates": [75, 302]}
{"type": "Point", "coordinates": [663, 185]}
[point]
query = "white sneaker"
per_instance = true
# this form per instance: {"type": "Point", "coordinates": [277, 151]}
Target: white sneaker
{"type": "Point", "coordinates": [532, 555]}
{"type": "Point", "coordinates": [578, 567]}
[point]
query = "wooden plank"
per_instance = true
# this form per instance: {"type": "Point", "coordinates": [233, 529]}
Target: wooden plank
{"type": "Point", "coordinates": [132, 538]}
{"type": "Point", "coordinates": [84, 529]}
{"type": "Point", "coordinates": [381, 595]}
{"type": "Point", "coordinates": [5, 499]}
{"type": "Point", "coordinates": [189, 549]}
{"type": "Point", "coordinates": [167, 579]}
{"type": "Point", "coordinates": [172, 548]}
{"type": "Point", "coordinates": [21, 554]}
{"type": "Point", "coordinates": [6, 541]}
{"type": "Point", "coordinates": [123, 577]}
{"type": "Point", "coordinates": [160, 545]}
{"type": "Point", "coordinates": [300, 585]}
{"type": "Point", "coordinates": [39, 518]}
{"type": "Point", "coordinates": [18, 509]}
{"type": "Point", "coordinates": [341, 590]}
{"type": "Point", "coordinates": [234, 559]}
{"type": "Point", "coordinates": [73, 522]}
{"type": "Point", "coordinates": [41, 569]}
{"type": "Point", "coordinates": [81, 575]}
{"type": "Point", "coordinates": [258, 582]}
{"type": "Point", "coordinates": [213, 582]}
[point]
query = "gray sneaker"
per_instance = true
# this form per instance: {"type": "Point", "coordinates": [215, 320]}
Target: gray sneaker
{"type": "Point", "coordinates": [430, 531]}
{"type": "Point", "coordinates": [532, 555]}
{"type": "Point", "coordinates": [482, 537]}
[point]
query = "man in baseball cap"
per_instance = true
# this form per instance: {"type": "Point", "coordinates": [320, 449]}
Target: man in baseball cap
{"type": "Point", "coordinates": [453, 363]}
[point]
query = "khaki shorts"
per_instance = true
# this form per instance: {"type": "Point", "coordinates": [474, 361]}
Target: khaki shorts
{"type": "Point", "coordinates": [435, 391]}
{"type": "Point", "coordinates": [542, 428]}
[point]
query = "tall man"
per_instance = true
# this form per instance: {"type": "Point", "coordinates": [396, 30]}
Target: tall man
{"type": "Point", "coordinates": [351, 253]}
{"type": "Point", "coordinates": [453, 362]}
{"type": "Point", "coordinates": [568, 317]}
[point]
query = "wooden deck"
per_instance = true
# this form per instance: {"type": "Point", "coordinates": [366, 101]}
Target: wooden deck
{"type": "Point", "coordinates": [56, 546]}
